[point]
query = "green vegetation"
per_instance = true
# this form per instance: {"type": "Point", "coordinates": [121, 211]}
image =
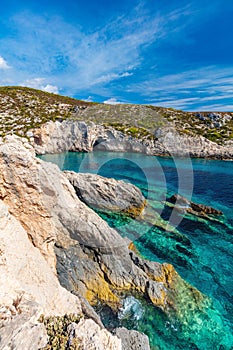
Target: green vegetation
{"type": "Point", "coordinates": [56, 328]}
{"type": "Point", "coordinates": [22, 109]}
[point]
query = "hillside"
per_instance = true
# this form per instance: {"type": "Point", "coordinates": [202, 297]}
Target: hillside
{"type": "Point", "coordinates": [22, 109]}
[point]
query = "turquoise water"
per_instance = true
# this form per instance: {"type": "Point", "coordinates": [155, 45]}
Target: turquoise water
{"type": "Point", "coordinates": [201, 249]}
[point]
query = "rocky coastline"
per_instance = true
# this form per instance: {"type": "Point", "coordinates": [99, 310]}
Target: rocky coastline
{"type": "Point", "coordinates": [76, 136]}
{"type": "Point", "coordinates": [58, 257]}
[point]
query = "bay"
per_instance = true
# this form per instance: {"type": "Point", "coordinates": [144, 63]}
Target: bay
{"type": "Point", "coordinates": [204, 258]}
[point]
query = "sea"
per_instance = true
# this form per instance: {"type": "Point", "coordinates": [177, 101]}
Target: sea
{"type": "Point", "coordinates": [199, 247]}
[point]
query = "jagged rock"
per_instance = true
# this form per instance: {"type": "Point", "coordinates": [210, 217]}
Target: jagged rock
{"type": "Point", "coordinates": [23, 331]}
{"type": "Point", "coordinates": [107, 194]}
{"type": "Point", "coordinates": [182, 203]}
{"type": "Point", "coordinates": [56, 137]}
{"type": "Point", "coordinates": [87, 335]}
{"type": "Point", "coordinates": [132, 340]}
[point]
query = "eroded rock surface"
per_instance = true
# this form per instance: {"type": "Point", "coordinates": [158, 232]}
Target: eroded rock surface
{"type": "Point", "coordinates": [56, 137]}
{"type": "Point", "coordinates": [28, 288]}
{"type": "Point", "coordinates": [132, 340]}
{"type": "Point", "coordinates": [88, 335]}
{"type": "Point", "coordinates": [107, 194]}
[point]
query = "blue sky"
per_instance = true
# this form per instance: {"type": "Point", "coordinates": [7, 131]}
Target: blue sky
{"type": "Point", "coordinates": [168, 53]}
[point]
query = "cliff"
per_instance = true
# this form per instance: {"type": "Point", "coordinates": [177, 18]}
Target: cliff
{"type": "Point", "coordinates": [56, 137]}
{"type": "Point", "coordinates": [137, 128]}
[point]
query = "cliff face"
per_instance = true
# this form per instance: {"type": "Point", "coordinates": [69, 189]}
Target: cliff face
{"type": "Point", "coordinates": [56, 137]}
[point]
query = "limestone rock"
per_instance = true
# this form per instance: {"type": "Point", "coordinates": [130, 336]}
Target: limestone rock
{"type": "Point", "coordinates": [56, 137]}
{"type": "Point", "coordinates": [132, 340]}
{"type": "Point", "coordinates": [45, 203]}
{"type": "Point", "coordinates": [107, 194]}
{"type": "Point", "coordinates": [24, 271]}
{"type": "Point", "coordinates": [28, 288]}
{"type": "Point", "coordinates": [88, 250]}
{"type": "Point", "coordinates": [23, 331]}
{"type": "Point", "coordinates": [89, 336]}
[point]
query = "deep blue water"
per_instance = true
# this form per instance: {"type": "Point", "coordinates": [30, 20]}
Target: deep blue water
{"type": "Point", "coordinates": [201, 249]}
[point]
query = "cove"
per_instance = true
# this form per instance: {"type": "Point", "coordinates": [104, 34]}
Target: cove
{"type": "Point", "coordinates": [202, 253]}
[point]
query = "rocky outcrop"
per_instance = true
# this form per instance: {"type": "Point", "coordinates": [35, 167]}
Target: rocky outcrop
{"type": "Point", "coordinates": [28, 288]}
{"type": "Point", "coordinates": [25, 275]}
{"type": "Point", "coordinates": [183, 204]}
{"type": "Point", "coordinates": [87, 333]}
{"type": "Point", "coordinates": [45, 203]}
{"type": "Point", "coordinates": [132, 340]}
{"type": "Point", "coordinates": [107, 194]}
{"type": "Point", "coordinates": [56, 137]}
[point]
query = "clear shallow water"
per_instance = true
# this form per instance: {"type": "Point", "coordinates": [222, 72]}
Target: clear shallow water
{"type": "Point", "coordinates": [200, 249]}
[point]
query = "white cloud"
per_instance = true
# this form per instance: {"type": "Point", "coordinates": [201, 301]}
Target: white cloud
{"type": "Point", "coordinates": [77, 60]}
{"type": "Point", "coordinates": [51, 88]}
{"type": "Point", "coordinates": [112, 101]}
{"type": "Point", "coordinates": [3, 63]}
{"type": "Point", "coordinates": [89, 99]}
{"type": "Point", "coordinates": [40, 83]}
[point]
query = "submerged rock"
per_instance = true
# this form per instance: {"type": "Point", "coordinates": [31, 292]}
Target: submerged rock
{"type": "Point", "coordinates": [107, 194]}
{"type": "Point", "coordinates": [182, 203]}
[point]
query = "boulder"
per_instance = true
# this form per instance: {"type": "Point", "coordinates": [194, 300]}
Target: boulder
{"type": "Point", "coordinates": [132, 340]}
{"type": "Point", "coordinates": [107, 194]}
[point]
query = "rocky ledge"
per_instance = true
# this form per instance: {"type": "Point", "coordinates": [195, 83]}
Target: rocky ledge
{"type": "Point", "coordinates": [107, 194]}
{"type": "Point", "coordinates": [48, 235]}
{"type": "Point", "coordinates": [70, 135]}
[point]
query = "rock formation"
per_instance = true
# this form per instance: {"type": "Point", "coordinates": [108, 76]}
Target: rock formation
{"type": "Point", "coordinates": [87, 332]}
{"type": "Point", "coordinates": [107, 194]}
{"type": "Point", "coordinates": [183, 204]}
{"type": "Point", "coordinates": [28, 288]}
{"type": "Point", "coordinates": [132, 340]}
{"type": "Point", "coordinates": [56, 137]}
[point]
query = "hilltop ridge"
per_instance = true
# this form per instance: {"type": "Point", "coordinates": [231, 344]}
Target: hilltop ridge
{"type": "Point", "coordinates": [22, 109]}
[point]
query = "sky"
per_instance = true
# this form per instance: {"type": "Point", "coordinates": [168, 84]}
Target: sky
{"type": "Point", "coordinates": [175, 53]}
